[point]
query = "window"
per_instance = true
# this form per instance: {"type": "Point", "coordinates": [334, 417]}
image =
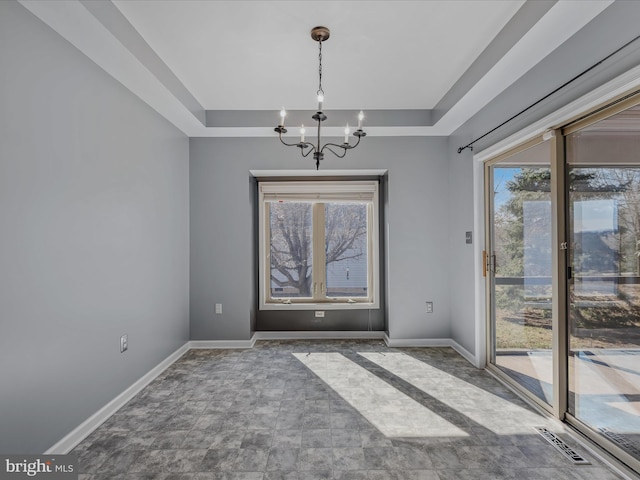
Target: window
{"type": "Point", "coordinates": [319, 244]}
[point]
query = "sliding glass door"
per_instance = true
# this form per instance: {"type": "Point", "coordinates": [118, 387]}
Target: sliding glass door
{"type": "Point", "coordinates": [519, 265]}
{"type": "Point", "coordinates": [603, 161]}
{"type": "Point", "coordinates": [562, 262]}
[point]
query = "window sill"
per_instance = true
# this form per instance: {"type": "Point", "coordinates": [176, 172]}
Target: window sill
{"type": "Point", "coordinates": [321, 306]}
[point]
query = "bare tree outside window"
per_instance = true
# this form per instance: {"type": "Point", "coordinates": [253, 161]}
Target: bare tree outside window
{"type": "Point", "coordinates": [346, 249]}
{"type": "Point", "coordinates": [291, 249]}
{"type": "Point", "coordinates": [345, 241]}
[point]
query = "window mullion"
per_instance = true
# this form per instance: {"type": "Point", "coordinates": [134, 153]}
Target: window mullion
{"type": "Point", "coordinates": [265, 246]}
{"type": "Point", "coordinates": [370, 251]}
{"type": "Point", "coordinates": [319, 260]}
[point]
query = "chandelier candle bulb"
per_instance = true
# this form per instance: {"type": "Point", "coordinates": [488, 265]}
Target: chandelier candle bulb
{"type": "Point", "coordinates": [346, 134]}
{"type": "Point", "coordinates": [360, 118]}
{"type": "Point", "coordinates": [302, 132]}
{"type": "Point", "coordinates": [283, 113]}
{"type": "Point", "coordinates": [320, 100]}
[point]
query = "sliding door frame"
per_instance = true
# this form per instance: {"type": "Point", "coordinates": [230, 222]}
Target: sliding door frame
{"type": "Point", "coordinates": [608, 109]}
{"type": "Point", "coordinates": [559, 254]}
{"type": "Point", "coordinates": [560, 258]}
{"type": "Point", "coordinates": [557, 236]}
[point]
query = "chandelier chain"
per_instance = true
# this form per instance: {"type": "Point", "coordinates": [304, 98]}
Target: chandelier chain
{"type": "Point", "coordinates": [320, 90]}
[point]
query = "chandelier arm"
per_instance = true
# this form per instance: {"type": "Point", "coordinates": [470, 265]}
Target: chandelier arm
{"type": "Point", "coordinates": [344, 146]}
{"type": "Point", "coordinates": [328, 144]}
{"type": "Point", "coordinates": [305, 145]}
{"type": "Point", "coordinates": [311, 150]}
{"type": "Point", "coordinates": [285, 143]}
{"type": "Point", "coordinates": [349, 147]}
{"type": "Point", "coordinates": [328, 147]}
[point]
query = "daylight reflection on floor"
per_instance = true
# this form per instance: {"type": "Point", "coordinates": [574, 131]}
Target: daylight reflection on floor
{"type": "Point", "coordinates": [486, 409]}
{"type": "Point", "coordinates": [389, 410]}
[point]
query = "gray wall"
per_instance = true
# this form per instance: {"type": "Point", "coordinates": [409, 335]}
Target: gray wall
{"type": "Point", "coordinates": [95, 236]}
{"type": "Point", "coordinates": [461, 267]}
{"type": "Point", "coordinates": [221, 231]}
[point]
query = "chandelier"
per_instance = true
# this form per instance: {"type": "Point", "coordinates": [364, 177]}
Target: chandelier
{"type": "Point", "coordinates": [321, 34]}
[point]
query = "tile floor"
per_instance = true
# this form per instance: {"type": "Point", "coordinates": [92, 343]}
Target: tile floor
{"type": "Point", "coordinates": [306, 410]}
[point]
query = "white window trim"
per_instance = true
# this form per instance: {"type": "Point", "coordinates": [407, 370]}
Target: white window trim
{"type": "Point", "coordinates": [352, 191]}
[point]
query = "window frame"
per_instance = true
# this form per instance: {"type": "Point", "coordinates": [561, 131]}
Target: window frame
{"type": "Point", "coordinates": [319, 193]}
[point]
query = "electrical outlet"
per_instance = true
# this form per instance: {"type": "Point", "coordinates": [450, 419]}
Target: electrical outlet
{"type": "Point", "coordinates": [319, 313]}
{"type": "Point", "coordinates": [124, 343]}
{"type": "Point", "coordinates": [218, 309]}
{"type": "Point", "coordinates": [429, 307]}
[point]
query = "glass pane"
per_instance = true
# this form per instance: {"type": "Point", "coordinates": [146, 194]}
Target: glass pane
{"type": "Point", "coordinates": [604, 300]}
{"type": "Point", "coordinates": [346, 250]}
{"type": "Point", "coordinates": [291, 249]}
{"type": "Point", "coordinates": [522, 289]}
{"type": "Point", "coordinates": [604, 288]}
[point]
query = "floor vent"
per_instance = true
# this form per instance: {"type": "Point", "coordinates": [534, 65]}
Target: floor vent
{"type": "Point", "coordinates": [620, 441]}
{"type": "Point", "coordinates": [565, 449]}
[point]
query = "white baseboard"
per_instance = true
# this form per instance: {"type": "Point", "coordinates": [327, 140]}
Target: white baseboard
{"type": "Point", "coordinates": [430, 342]}
{"type": "Point", "coordinates": [317, 335]}
{"type": "Point", "coordinates": [82, 431]}
{"type": "Point", "coordinates": [464, 353]}
{"type": "Point", "coordinates": [416, 342]}
{"type": "Point", "coordinates": [223, 344]}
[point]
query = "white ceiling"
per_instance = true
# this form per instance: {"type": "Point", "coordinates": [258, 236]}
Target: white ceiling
{"type": "Point", "coordinates": [254, 55]}
{"type": "Point", "coordinates": [183, 57]}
